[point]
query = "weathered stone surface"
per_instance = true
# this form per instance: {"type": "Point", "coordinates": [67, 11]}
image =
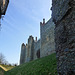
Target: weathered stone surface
{"type": "Point", "coordinates": [36, 49]}
{"type": "Point", "coordinates": [47, 38]}
{"type": "Point", "coordinates": [59, 9]}
{"type": "Point", "coordinates": [64, 35]}
{"type": "Point", "coordinates": [23, 54]}
{"type": "Point", "coordinates": [26, 53]}
{"type": "Point", "coordinates": [30, 49]}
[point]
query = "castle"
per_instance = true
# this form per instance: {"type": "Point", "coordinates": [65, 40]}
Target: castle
{"type": "Point", "coordinates": [39, 48]}
{"type": "Point", "coordinates": [63, 16]}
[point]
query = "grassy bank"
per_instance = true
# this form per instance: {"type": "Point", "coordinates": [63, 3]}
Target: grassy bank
{"type": "Point", "coordinates": [1, 71]}
{"type": "Point", "coordinates": [43, 66]}
{"type": "Point", "coordinates": [8, 67]}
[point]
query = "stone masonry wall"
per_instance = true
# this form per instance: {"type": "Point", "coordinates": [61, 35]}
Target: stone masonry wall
{"type": "Point", "coordinates": [36, 48]}
{"type": "Point", "coordinates": [63, 14]}
{"type": "Point", "coordinates": [23, 54]}
{"type": "Point", "coordinates": [47, 38]}
{"type": "Point", "coordinates": [30, 48]}
{"type": "Point", "coordinates": [44, 46]}
{"type": "Point", "coordinates": [26, 53]}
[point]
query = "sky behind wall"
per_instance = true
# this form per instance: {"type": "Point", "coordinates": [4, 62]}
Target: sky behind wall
{"type": "Point", "coordinates": [22, 19]}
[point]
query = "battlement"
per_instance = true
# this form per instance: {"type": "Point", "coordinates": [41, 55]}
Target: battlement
{"type": "Point", "coordinates": [49, 25]}
{"type": "Point", "coordinates": [43, 22]}
{"type": "Point", "coordinates": [23, 44]}
{"type": "Point", "coordinates": [30, 39]}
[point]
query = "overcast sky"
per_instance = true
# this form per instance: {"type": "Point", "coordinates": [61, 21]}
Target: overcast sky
{"type": "Point", "coordinates": [22, 19]}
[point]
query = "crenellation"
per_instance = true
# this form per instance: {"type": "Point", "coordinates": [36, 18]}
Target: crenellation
{"type": "Point", "coordinates": [42, 24]}
{"type": "Point", "coordinates": [43, 21]}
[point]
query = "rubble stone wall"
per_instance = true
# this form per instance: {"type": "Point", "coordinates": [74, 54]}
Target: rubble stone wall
{"type": "Point", "coordinates": [63, 14]}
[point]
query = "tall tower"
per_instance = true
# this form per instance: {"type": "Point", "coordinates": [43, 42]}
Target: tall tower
{"type": "Point", "coordinates": [47, 38]}
{"type": "Point", "coordinates": [30, 52]}
{"type": "Point", "coordinates": [23, 54]}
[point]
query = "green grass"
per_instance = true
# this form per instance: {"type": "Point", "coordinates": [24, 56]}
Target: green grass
{"type": "Point", "coordinates": [43, 66]}
{"type": "Point", "coordinates": [1, 71]}
{"type": "Point", "coordinates": [8, 67]}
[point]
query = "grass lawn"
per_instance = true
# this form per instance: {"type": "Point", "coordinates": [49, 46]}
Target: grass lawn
{"type": "Point", "coordinates": [43, 66]}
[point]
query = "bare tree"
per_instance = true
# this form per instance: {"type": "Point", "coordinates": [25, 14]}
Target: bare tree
{"type": "Point", "coordinates": [2, 58]}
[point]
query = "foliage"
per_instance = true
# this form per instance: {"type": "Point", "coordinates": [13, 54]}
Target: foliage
{"type": "Point", "coordinates": [43, 66]}
{"type": "Point", "coordinates": [2, 58]}
{"type": "Point", "coordinates": [8, 67]}
{"type": "Point", "coordinates": [1, 71]}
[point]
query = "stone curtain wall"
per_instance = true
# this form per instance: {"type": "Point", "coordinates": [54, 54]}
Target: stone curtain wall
{"type": "Point", "coordinates": [47, 38]}
{"type": "Point", "coordinates": [63, 14]}
{"type": "Point", "coordinates": [36, 48]}
{"type": "Point", "coordinates": [43, 47]}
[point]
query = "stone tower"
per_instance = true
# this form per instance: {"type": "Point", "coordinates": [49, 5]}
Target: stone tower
{"type": "Point", "coordinates": [63, 14]}
{"type": "Point", "coordinates": [23, 54]}
{"type": "Point", "coordinates": [26, 52]}
{"type": "Point", "coordinates": [47, 38]}
{"type": "Point", "coordinates": [30, 50]}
